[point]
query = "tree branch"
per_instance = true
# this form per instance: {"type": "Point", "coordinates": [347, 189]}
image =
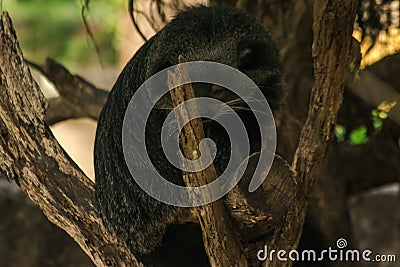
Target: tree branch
{"type": "Point", "coordinates": [31, 156]}
{"type": "Point", "coordinates": [251, 215]}
{"type": "Point", "coordinates": [332, 47]}
{"type": "Point", "coordinates": [332, 27]}
{"type": "Point", "coordinates": [220, 241]}
{"type": "Point", "coordinates": [78, 98]}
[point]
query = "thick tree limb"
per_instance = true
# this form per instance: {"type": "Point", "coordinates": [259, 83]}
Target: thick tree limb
{"type": "Point", "coordinates": [332, 47]}
{"type": "Point", "coordinates": [78, 98]}
{"type": "Point", "coordinates": [257, 213]}
{"type": "Point", "coordinates": [332, 27]}
{"type": "Point", "coordinates": [220, 241]}
{"type": "Point", "coordinates": [31, 156]}
{"type": "Point", "coordinates": [344, 169]}
{"type": "Point", "coordinates": [251, 215]}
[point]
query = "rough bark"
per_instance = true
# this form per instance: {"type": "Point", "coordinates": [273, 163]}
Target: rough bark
{"type": "Point", "coordinates": [332, 46]}
{"type": "Point", "coordinates": [290, 24]}
{"type": "Point", "coordinates": [241, 216]}
{"type": "Point", "coordinates": [31, 156]}
{"type": "Point", "coordinates": [221, 243]}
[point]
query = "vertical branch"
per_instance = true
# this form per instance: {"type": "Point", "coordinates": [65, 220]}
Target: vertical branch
{"type": "Point", "coordinates": [221, 243]}
{"type": "Point", "coordinates": [332, 54]}
{"type": "Point", "coordinates": [332, 51]}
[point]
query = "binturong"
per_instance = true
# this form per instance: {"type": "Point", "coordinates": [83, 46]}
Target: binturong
{"type": "Point", "coordinates": [151, 229]}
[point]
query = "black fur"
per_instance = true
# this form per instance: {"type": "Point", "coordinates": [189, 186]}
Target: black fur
{"type": "Point", "coordinates": [217, 34]}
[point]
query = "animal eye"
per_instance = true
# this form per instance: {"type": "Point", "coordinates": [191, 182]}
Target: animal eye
{"type": "Point", "coordinates": [252, 56]}
{"type": "Point", "coordinates": [245, 57]}
{"type": "Point", "coordinates": [255, 54]}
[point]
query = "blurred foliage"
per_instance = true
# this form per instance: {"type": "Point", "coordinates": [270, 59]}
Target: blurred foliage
{"type": "Point", "coordinates": [54, 28]}
{"type": "Point", "coordinates": [377, 17]}
{"type": "Point", "coordinates": [373, 16]}
{"type": "Point", "coordinates": [361, 135]}
{"type": "Point", "coordinates": [381, 113]}
{"type": "Point", "coordinates": [388, 43]}
{"type": "Point", "coordinates": [340, 133]}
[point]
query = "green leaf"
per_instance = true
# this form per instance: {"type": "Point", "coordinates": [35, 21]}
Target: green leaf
{"type": "Point", "coordinates": [340, 133]}
{"type": "Point", "coordinates": [377, 123]}
{"type": "Point", "coordinates": [359, 136]}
